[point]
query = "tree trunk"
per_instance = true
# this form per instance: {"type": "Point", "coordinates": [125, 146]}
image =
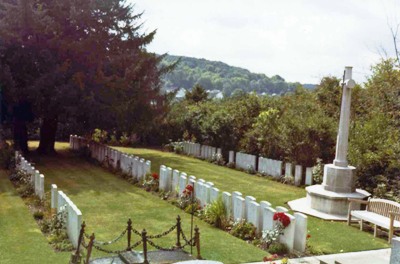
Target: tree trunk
{"type": "Point", "coordinates": [48, 131]}
{"type": "Point", "coordinates": [21, 136]}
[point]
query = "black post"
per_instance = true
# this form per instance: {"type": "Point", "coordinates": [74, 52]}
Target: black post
{"type": "Point", "coordinates": [144, 239]}
{"type": "Point", "coordinates": [178, 232]}
{"type": "Point", "coordinates": [129, 228]}
{"type": "Point", "coordinates": [89, 248]}
{"type": "Point", "coordinates": [197, 239]}
{"type": "Point", "coordinates": [191, 222]}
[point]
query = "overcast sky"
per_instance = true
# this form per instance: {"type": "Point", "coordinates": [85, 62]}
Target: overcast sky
{"type": "Point", "coordinates": [297, 39]}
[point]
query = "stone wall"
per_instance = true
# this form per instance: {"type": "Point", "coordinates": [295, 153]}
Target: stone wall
{"type": "Point", "coordinates": [246, 161]}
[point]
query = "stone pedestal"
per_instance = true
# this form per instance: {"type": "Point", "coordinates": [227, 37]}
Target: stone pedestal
{"type": "Point", "coordinates": [335, 203]}
{"type": "Point", "coordinates": [339, 179]}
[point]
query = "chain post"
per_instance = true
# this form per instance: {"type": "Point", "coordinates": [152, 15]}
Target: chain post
{"type": "Point", "coordinates": [76, 257]}
{"type": "Point", "coordinates": [178, 231]}
{"type": "Point", "coordinates": [129, 228]}
{"type": "Point", "coordinates": [197, 241]}
{"type": "Point", "coordinates": [89, 248]}
{"type": "Point", "coordinates": [144, 239]}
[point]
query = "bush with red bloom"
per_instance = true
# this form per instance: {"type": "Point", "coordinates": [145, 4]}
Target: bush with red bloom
{"type": "Point", "coordinates": [188, 190]}
{"type": "Point", "coordinates": [308, 236]}
{"type": "Point", "coordinates": [282, 218]}
{"type": "Point", "coordinates": [155, 176]}
{"type": "Point", "coordinates": [281, 222]}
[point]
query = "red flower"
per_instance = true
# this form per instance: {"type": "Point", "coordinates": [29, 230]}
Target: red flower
{"type": "Point", "coordinates": [308, 236]}
{"type": "Point", "coordinates": [189, 188]}
{"type": "Point", "coordinates": [155, 176]}
{"type": "Point", "coordinates": [265, 259]}
{"type": "Point", "coordinates": [283, 218]}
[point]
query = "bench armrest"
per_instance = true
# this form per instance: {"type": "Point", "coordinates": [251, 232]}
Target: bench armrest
{"type": "Point", "coordinates": [358, 201]}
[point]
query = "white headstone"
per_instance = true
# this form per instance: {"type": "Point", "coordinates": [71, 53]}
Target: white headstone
{"type": "Point", "coordinates": [234, 195]}
{"type": "Point", "coordinates": [239, 208]}
{"type": "Point", "coordinates": [231, 156]}
{"type": "Point", "coordinates": [281, 209]}
{"type": "Point", "coordinates": [253, 214]}
{"type": "Point", "coordinates": [309, 176]}
{"type": "Point", "coordinates": [175, 181]}
{"type": "Point", "coordinates": [298, 175]}
{"type": "Point", "coordinates": [268, 218]}
{"type": "Point", "coordinates": [41, 186]}
{"type": "Point", "coordinates": [214, 194]}
{"type": "Point", "coordinates": [288, 233]}
{"type": "Point", "coordinates": [182, 183]}
{"type": "Point", "coordinates": [288, 169]}
{"type": "Point", "coordinates": [248, 200]}
{"type": "Point", "coordinates": [227, 199]}
{"type": "Point", "coordinates": [54, 196]}
{"type": "Point", "coordinates": [300, 236]}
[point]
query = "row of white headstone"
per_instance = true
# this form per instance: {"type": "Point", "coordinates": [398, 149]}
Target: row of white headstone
{"type": "Point", "coordinates": [133, 166]}
{"type": "Point", "coordinates": [37, 179]}
{"type": "Point", "coordinates": [238, 207]}
{"type": "Point", "coordinates": [246, 161]}
{"type": "Point", "coordinates": [200, 151]}
{"type": "Point", "coordinates": [60, 202]}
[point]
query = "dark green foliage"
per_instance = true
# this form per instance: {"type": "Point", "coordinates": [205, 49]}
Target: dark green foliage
{"type": "Point", "coordinates": [278, 248]}
{"type": "Point", "coordinates": [80, 63]}
{"type": "Point", "coordinates": [197, 94]}
{"type": "Point", "coordinates": [215, 214]}
{"type": "Point", "coordinates": [7, 157]}
{"type": "Point", "coordinates": [38, 215]}
{"type": "Point", "coordinates": [243, 230]}
{"type": "Point", "coordinates": [212, 75]}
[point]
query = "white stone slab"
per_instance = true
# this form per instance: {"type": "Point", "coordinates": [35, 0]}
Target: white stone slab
{"type": "Point", "coordinates": [54, 196]}
{"type": "Point", "coordinates": [41, 187]}
{"type": "Point", "coordinates": [234, 195]}
{"type": "Point", "coordinates": [300, 234]}
{"type": "Point", "coordinates": [182, 183]}
{"type": "Point", "coordinates": [231, 156]}
{"type": "Point", "coordinates": [298, 175]}
{"type": "Point", "coordinates": [309, 177]}
{"type": "Point", "coordinates": [227, 199]}
{"type": "Point", "coordinates": [288, 233]}
{"type": "Point", "coordinates": [239, 208]}
{"type": "Point", "coordinates": [248, 200]}
{"type": "Point", "coordinates": [288, 169]}
{"type": "Point", "coordinates": [175, 181]}
{"type": "Point", "coordinates": [268, 218]}
{"type": "Point", "coordinates": [282, 209]}
{"type": "Point", "coordinates": [253, 214]}
{"type": "Point", "coordinates": [214, 194]}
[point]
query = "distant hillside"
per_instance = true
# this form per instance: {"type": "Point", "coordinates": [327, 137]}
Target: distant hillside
{"type": "Point", "coordinates": [215, 75]}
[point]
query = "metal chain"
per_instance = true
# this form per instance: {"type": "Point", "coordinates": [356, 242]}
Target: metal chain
{"type": "Point", "coordinates": [135, 245]}
{"type": "Point", "coordinates": [188, 242]}
{"type": "Point", "coordinates": [163, 234]}
{"type": "Point", "coordinates": [109, 251]}
{"type": "Point", "coordinates": [158, 247]}
{"type": "Point", "coordinates": [136, 232]}
{"type": "Point", "coordinates": [83, 243]}
{"type": "Point", "coordinates": [108, 242]}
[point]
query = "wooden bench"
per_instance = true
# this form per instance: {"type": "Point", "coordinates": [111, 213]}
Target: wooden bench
{"type": "Point", "coordinates": [380, 212]}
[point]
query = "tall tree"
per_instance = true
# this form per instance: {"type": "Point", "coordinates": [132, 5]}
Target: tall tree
{"type": "Point", "coordinates": [89, 64]}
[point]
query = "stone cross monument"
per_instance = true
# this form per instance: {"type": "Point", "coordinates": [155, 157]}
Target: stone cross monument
{"type": "Point", "coordinates": [330, 200]}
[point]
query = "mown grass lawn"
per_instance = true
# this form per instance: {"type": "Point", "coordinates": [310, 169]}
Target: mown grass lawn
{"type": "Point", "coordinates": [107, 201]}
{"type": "Point", "coordinates": [326, 236]}
{"type": "Point", "coordinates": [21, 241]}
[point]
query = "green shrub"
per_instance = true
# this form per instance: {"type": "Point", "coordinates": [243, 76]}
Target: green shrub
{"type": "Point", "coordinates": [231, 165]}
{"type": "Point", "coordinates": [99, 136]}
{"type": "Point", "coordinates": [124, 139]}
{"type": "Point", "coordinates": [25, 190]}
{"type": "Point", "coordinates": [278, 248]}
{"type": "Point", "coordinates": [318, 172]}
{"type": "Point", "coordinates": [243, 230]}
{"type": "Point", "coordinates": [38, 215]}
{"type": "Point", "coordinates": [215, 213]}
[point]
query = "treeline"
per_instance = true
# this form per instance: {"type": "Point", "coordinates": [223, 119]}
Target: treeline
{"type": "Point", "coordinates": [213, 75]}
{"type": "Point", "coordinates": [302, 126]}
